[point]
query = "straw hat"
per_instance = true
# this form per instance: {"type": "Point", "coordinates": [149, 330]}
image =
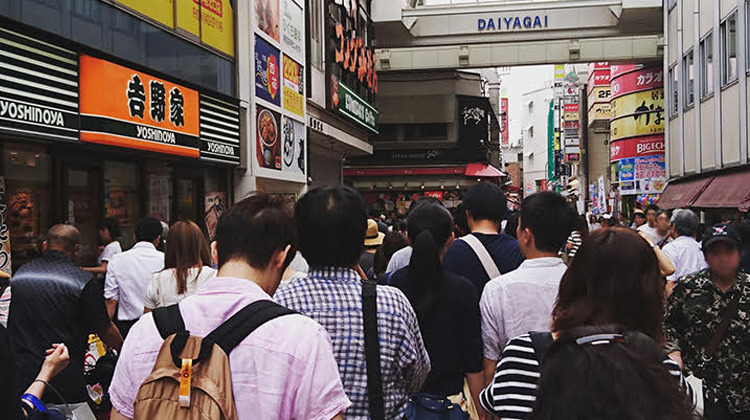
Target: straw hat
{"type": "Point", "coordinates": [373, 237]}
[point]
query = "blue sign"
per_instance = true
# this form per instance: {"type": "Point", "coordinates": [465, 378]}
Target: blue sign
{"type": "Point", "coordinates": [267, 72]}
{"type": "Point", "coordinates": [626, 169]}
{"type": "Point", "coordinates": [513, 23]}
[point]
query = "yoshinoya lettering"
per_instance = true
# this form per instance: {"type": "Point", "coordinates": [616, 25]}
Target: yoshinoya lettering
{"type": "Point", "coordinates": [31, 113]}
{"type": "Point", "coordinates": [512, 23]}
{"type": "Point", "coordinates": [155, 134]}
{"type": "Point", "coordinates": [221, 149]}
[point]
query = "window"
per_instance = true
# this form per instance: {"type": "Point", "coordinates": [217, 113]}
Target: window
{"type": "Point", "coordinates": [689, 79]}
{"type": "Point", "coordinates": [707, 66]}
{"type": "Point", "coordinates": [729, 50]}
{"type": "Point", "coordinates": [673, 91]}
{"type": "Point", "coordinates": [316, 50]}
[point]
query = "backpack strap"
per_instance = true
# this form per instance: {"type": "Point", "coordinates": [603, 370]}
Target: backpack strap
{"type": "Point", "coordinates": [372, 350]}
{"type": "Point", "coordinates": [484, 256]}
{"type": "Point", "coordinates": [541, 341]}
{"type": "Point", "coordinates": [168, 320]}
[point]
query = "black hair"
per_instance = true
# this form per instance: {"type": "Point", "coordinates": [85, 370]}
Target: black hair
{"type": "Point", "coordinates": [511, 228]}
{"type": "Point", "coordinates": [486, 201]}
{"type": "Point", "coordinates": [459, 220]}
{"type": "Point", "coordinates": [113, 227]}
{"type": "Point", "coordinates": [582, 226]}
{"type": "Point", "coordinates": [331, 226]}
{"type": "Point", "coordinates": [425, 199]}
{"type": "Point", "coordinates": [254, 229]}
{"type": "Point", "coordinates": [430, 226]}
{"type": "Point", "coordinates": [392, 242]}
{"type": "Point", "coordinates": [621, 379]}
{"type": "Point", "coordinates": [375, 213]}
{"type": "Point", "coordinates": [148, 229]}
{"type": "Point", "coordinates": [653, 207]}
{"type": "Point", "coordinates": [550, 218]}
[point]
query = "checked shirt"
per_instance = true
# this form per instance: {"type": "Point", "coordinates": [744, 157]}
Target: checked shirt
{"type": "Point", "coordinates": [333, 298]}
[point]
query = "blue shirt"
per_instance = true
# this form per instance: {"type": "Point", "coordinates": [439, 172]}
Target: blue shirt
{"type": "Point", "coordinates": [461, 259]}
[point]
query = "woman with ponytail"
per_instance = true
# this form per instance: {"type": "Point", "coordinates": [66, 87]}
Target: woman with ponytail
{"type": "Point", "coordinates": [446, 304]}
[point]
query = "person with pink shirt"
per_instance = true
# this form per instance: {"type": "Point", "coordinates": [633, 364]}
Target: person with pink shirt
{"type": "Point", "coordinates": [285, 369]}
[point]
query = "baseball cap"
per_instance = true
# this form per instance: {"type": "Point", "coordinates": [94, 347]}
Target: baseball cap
{"type": "Point", "coordinates": [721, 232]}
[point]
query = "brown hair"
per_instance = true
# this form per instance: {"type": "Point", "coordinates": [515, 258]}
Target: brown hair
{"type": "Point", "coordinates": [186, 248]}
{"type": "Point", "coordinates": [614, 279]}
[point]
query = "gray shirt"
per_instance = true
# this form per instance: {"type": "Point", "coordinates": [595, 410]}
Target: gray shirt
{"type": "Point", "coordinates": [399, 260]}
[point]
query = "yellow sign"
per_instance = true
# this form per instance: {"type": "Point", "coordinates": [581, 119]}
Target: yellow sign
{"type": "Point", "coordinates": [559, 71]}
{"type": "Point", "coordinates": [600, 112]}
{"type": "Point", "coordinates": [293, 89]}
{"type": "Point", "coordinates": [557, 141]}
{"type": "Point", "coordinates": [599, 95]}
{"type": "Point", "coordinates": [211, 20]}
{"type": "Point", "coordinates": [647, 100]}
{"type": "Point", "coordinates": [641, 124]}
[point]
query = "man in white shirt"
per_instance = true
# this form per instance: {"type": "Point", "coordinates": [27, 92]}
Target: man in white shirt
{"type": "Point", "coordinates": [129, 273]}
{"type": "Point", "coordinates": [522, 300]}
{"type": "Point", "coordinates": [649, 228]}
{"type": "Point", "coordinates": [684, 252]}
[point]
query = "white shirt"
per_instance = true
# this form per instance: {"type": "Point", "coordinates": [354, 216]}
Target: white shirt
{"type": "Point", "coordinates": [128, 275]}
{"type": "Point", "coordinates": [399, 260]}
{"type": "Point", "coordinates": [162, 290]}
{"type": "Point", "coordinates": [109, 251]}
{"type": "Point", "coordinates": [519, 302]}
{"type": "Point", "coordinates": [651, 233]}
{"type": "Point", "coordinates": [686, 255]}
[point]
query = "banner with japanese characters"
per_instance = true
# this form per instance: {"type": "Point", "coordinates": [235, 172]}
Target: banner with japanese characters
{"type": "Point", "coordinates": [123, 107]}
{"type": "Point", "coordinates": [636, 81]}
{"type": "Point", "coordinates": [267, 70]}
{"type": "Point", "coordinates": [5, 261]}
{"type": "Point", "coordinates": [293, 25]}
{"type": "Point", "coordinates": [294, 92]}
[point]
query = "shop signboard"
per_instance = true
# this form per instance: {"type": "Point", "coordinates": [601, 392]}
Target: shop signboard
{"type": "Point", "coordinates": [600, 112]}
{"type": "Point", "coordinates": [215, 202]}
{"type": "Point", "coordinates": [599, 65]}
{"type": "Point", "coordinates": [209, 21]}
{"type": "Point", "coordinates": [599, 95]}
{"type": "Point", "coordinates": [38, 89]}
{"type": "Point", "coordinates": [504, 127]}
{"type": "Point", "coordinates": [293, 27]}
{"type": "Point", "coordinates": [643, 101]}
{"type": "Point", "coordinates": [636, 81]}
{"type": "Point", "coordinates": [220, 130]}
{"type": "Point", "coordinates": [294, 90]}
{"type": "Point", "coordinates": [636, 147]}
{"type": "Point", "coordinates": [642, 123]}
{"type": "Point", "coordinates": [5, 262]}
{"type": "Point", "coordinates": [267, 77]}
{"type": "Point", "coordinates": [571, 112]}
{"type": "Point", "coordinates": [642, 175]}
{"type": "Point", "coordinates": [123, 107]}
{"type": "Point", "coordinates": [599, 77]}
{"type": "Point", "coordinates": [294, 147]}
{"type": "Point", "coordinates": [349, 104]}
{"type": "Point", "coordinates": [268, 135]}
{"type": "Point", "coordinates": [267, 17]}
{"type": "Point", "coordinates": [618, 69]}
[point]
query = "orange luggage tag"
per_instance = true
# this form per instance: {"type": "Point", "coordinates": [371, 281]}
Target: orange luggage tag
{"type": "Point", "coordinates": [185, 377]}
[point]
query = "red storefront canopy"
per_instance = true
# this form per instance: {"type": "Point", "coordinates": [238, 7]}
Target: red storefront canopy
{"type": "Point", "coordinates": [682, 194]}
{"type": "Point", "coordinates": [481, 170]}
{"type": "Point", "coordinates": [727, 191]}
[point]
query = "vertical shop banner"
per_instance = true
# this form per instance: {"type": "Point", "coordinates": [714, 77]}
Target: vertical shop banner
{"type": "Point", "coordinates": [127, 108]}
{"type": "Point", "coordinates": [38, 88]}
{"type": "Point", "coordinates": [294, 90]}
{"type": "Point", "coordinates": [267, 72]}
{"type": "Point", "coordinates": [268, 125]}
{"type": "Point", "coordinates": [267, 17]}
{"type": "Point", "coordinates": [294, 147]}
{"type": "Point", "coordinates": [504, 127]}
{"type": "Point", "coordinates": [5, 262]}
{"type": "Point", "coordinates": [215, 204]}
{"type": "Point", "coordinates": [220, 130]}
{"type": "Point", "coordinates": [293, 27]}
{"type": "Point", "coordinates": [159, 196]}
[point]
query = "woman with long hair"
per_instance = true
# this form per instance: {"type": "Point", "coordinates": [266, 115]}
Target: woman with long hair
{"type": "Point", "coordinates": [446, 304]}
{"type": "Point", "coordinates": [108, 235]}
{"type": "Point", "coordinates": [187, 265]}
{"type": "Point", "coordinates": [614, 279]}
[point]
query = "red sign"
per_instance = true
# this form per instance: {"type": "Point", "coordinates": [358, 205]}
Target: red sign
{"type": "Point", "coordinates": [504, 132]}
{"type": "Point", "coordinates": [544, 185]}
{"type": "Point", "coordinates": [571, 107]}
{"type": "Point", "coordinates": [434, 194]}
{"type": "Point", "coordinates": [599, 65]}
{"type": "Point", "coordinates": [619, 69]}
{"type": "Point", "coordinates": [636, 147]}
{"type": "Point", "coordinates": [643, 79]}
{"type": "Point", "coordinates": [599, 78]}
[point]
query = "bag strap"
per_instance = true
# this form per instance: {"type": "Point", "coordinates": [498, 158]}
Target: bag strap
{"type": "Point", "coordinates": [168, 320]}
{"type": "Point", "coordinates": [372, 350]}
{"type": "Point", "coordinates": [484, 257]}
{"type": "Point", "coordinates": [721, 330]}
{"type": "Point", "coordinates": [541, 341]}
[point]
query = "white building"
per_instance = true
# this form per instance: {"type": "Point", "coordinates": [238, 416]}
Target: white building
{"type": "Point", "coordinates": [534, 121]}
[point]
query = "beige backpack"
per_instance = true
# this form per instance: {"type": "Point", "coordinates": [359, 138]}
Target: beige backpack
{"type": "Point", "coordinates": [191, 379]}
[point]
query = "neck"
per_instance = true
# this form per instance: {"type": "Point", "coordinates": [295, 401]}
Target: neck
{"type": "Point", "coordinates": [723, 282]}
{"type": "Point", "coordinates": [242, 270]}
{"type": "Point", "coordinates": [485, 226]}
{"type": "Point", "coordinates": [535, 253]}
{"type": "Point", "coordinates": [651, 224]}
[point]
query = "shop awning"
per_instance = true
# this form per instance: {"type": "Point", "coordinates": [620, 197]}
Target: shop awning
{"type": "Point", "coordinates": [726, 191]}
{"type": "Point", "coordinates": [682, 194]}
{"type": "Point", "coordinates": [481, 170]}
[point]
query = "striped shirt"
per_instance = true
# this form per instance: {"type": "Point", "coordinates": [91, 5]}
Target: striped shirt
{"type": "Point", "coordinates": [575, 239]}
{"type": "Point", "coordinates": [512, 393]}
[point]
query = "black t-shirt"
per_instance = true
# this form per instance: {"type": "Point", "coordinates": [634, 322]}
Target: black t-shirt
{"type": "Point", "coordinates": [366, 260]}
{"type": "Point", "coordinates": [54, 301]}
{"type": "Point", "coordinates": [452, 334]}
{"type": "Point", "coordinates": [462, 260]}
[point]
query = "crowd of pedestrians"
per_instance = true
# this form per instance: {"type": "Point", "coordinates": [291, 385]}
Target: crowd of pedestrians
{"type": "Point", "coordinates": [319, 310]}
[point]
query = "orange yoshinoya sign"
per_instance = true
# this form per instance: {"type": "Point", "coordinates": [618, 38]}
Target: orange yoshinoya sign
{"type": "Point", "coordinates": [127, 108]}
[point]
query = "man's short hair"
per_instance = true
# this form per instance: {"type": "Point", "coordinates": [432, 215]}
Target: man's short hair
{"type": "Point", "coordinates": [686, 222]}
{"type": "Point", "coordinates": [486, 201]}
{"type": "Point", "coordinates": [653, 207]}
{"type": "Point", "coordinates": [331, 226]}
{"type": "Point", "coordinates": [254, 229]}
{"type": "Point", "coordinates": [550, 218]}
{"type": "Point", "coordinates": [148, 229]}
{"type": "Point", "coordinates": [62, 237]}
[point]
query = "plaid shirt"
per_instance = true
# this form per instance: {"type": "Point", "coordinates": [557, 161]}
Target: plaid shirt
{"type": "Point", "coordinates": [333, 298]}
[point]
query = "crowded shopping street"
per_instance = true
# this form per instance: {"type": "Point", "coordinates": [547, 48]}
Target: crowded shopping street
{"type": "Point", "coordinates": [374, 209]}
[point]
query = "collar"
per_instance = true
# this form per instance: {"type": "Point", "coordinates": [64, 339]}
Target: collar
{"type": "Point", "coordinates": [541, 262]}
{"type": "Point", "coordinates": [685, 239]}
{"type": "Point", "coordinates": [232, 285]}
{"type": "Point", "coordinates": [144, 245]}
{"type": "Point", "coordinates": [343, 274]}
{"type": "Point", "coordinates": [55, 254]}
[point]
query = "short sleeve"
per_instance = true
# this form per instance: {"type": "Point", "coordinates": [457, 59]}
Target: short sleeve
{"type": "Point", "coordinates": [319, 394]}
{"type": "Point", "coordinates": [111, 288]}
{"type": "Point", "coordinates": [92, 303]}
{"type": "Point", "coordinates": [152, 294]}
{"type": "Point", "coordinates": [110, 251]}
{"type": "Point", "coordinates": [491, 327]}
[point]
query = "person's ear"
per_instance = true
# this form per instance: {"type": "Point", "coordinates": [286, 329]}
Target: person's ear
{"type": "Point", "coordinates": [157, 241]}
{"type": "Point", "coordinates": [450, 240]}
{"type": "Point", "coordinates": [45, 246]}
{"type": "Point", "coordinates": [280, 257]}
{"type": "Point", "coordinates": [214, 253]}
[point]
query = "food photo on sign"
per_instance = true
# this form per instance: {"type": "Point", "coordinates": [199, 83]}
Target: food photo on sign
{"type": "Point", "coordinates": [267, 72]}
{"type": "Point", "coordinates": [267, 17]}
{"type": "Point", "coordinates": [268, 132]}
